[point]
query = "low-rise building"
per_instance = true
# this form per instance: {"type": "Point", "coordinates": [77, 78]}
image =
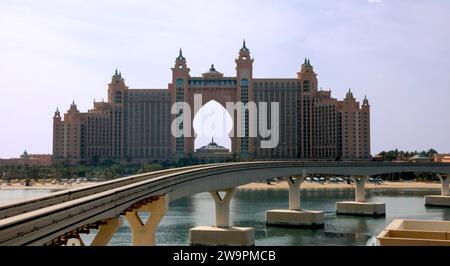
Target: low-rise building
{"type": "Point", "coordinates": [29, 159]}
{"type": "Point", "coordinates": [212, 153]}
{"type": "Point", "coordinates": [441, 158]}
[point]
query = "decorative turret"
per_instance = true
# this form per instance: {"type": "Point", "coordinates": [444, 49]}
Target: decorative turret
{"type": "Point", "coordinates": [365, 101]}
{"type": "Point", "coordinates": [117, 78]}
{"type": "Point", "coordinates": [180, 56]}
{"type": "Point", "coordinates": [244, 53]}
{"type": "Point", "coordinates": [349, 98]}
{"type": "Point", "coordinates": [307, 77]}
{"type": "Point", "coordinates": [349, 95]}
{"type": "Point", "coordinates": [179, 93]}
{"type": "Point", "coordinates": [244, 77]}
{"type": "Point", "coordinates": [180, 61]}
{"type": "Point", "coordinates": [365, 106]}
{"type": "Point", "coordinates": [117, 88]}
{"type": "Point", "coordinates": [73, 108]}
{"type": "Point", "coordinates": [244, 47]}
{"type": "Point", "coordinates": [57, 114]}
{"type": "Point", "coordinates": [307, 66]}
{"type": "Point", "coordinates": [244, 63]}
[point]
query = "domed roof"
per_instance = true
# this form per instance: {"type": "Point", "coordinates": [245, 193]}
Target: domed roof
{"type": "Point", "coordinates": [212, 73]}
{"type": "Point", "coordinates": [212, 147]}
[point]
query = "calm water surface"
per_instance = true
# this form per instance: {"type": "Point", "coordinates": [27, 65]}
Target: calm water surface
{"type": "Point", "coordinates": [249, 206]}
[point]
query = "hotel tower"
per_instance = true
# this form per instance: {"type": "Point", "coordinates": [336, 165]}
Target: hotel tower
{"type": "Point", "coordinates": [135, 124]}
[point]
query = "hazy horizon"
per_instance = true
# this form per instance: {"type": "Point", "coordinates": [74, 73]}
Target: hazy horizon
{"type": "Point", "coordinates": [395, 52]}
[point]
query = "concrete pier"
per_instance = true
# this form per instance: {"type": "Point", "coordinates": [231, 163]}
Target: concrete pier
{"type": "Point", "coordinates": [295, 217]}
{"type": "Point", "coordinates": [216, 236]}
{"type": "Point", "coordinates": [222, 233]}
{"type": "Point", "coordinates": [360, 207]}
{"type": "Point", "coordinates": [442, 200]}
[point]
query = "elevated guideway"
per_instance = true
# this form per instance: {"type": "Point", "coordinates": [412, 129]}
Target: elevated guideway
{"type": "Point", "coordinates": [54, 218]}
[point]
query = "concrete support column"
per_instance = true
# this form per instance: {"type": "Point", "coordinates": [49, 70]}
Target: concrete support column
{"type": "Point", "coordinates": [222, 233]}
{"type": "Point", "coordinates": [360, 206]}
{"type": "Point", "coordinates": [445, 182]}
{"type": "Point", "coordinates": [295, 217]}
{"type": "Point", "coordinates": [106, 231]}
{"type": "Point", "coordinates": [222, 206]}
{"type": "Point", "coordinates": [294, 191]}
{"type": "Point", "coordinates": [442, 200]}
{"type": "Point", "coordinates": [143, 234]}
{"type": "Point", "coordinates": [360, 183]}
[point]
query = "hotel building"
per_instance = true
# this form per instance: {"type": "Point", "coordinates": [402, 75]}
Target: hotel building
{"type": "Point", "coordinates": [135, 124]}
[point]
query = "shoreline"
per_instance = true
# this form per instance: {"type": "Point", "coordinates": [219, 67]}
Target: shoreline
{"type": "Point", "coordinates": [252, 186]}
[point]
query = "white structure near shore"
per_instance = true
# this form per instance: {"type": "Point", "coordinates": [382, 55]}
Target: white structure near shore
{"type": "Point", "coordinates": [415, 233]}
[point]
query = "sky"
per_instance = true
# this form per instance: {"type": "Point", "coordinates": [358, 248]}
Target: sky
{"type": "Point", "coordinates": [394, 51]}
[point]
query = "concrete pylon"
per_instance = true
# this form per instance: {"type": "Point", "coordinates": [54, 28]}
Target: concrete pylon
{"type": "Point", "coordinates": [222, 233]}
{"type": "Point", "coordinates": [106, 231]}
{"type": "Point", "coordinates": [360, 206]}
{"type": "Point", "coordinates": [445, 182]}
{"type": "Point", "coordinates": [222, 206]}
{"type": "Point", "coordinates": [143, 234]}
{"type": "Point", "coordinates": [294, 216]}
{"type": "Point", "coordinates": [360, 184]}
{"type": "Point", "coordinates": [294, 191]}
{"type": "Point", "coordinates": [442, 200]}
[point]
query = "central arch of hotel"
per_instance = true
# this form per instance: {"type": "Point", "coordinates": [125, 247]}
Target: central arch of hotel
{"type": "Point", "coordinates": [213, 86]}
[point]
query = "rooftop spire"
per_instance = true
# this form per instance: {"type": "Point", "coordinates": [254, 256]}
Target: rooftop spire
{"type": "Point", "coordinates": [57, 114]}
{"type": "Point", "coordinates": [365, 101]}
{"type": "Point", "coordinates": [115, 72]}
{"type": "Point", "coordinates": [180, 55]}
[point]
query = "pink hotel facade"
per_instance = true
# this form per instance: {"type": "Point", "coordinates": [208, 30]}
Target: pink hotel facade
{"type": "Point", "coordinates": [135, 124]}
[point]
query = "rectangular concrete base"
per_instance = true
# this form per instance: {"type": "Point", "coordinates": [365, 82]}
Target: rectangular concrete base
{"type": "Point", "coordinates": [437, 200]}
{"type": "Point", "coordinates": [361, 208]}
{"type": "Point", "coordinates": [215, 236]}
{"type": "Point", "coordinates": [291, 218]}
{"type": "Point", "coordinates": [415, 233]}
